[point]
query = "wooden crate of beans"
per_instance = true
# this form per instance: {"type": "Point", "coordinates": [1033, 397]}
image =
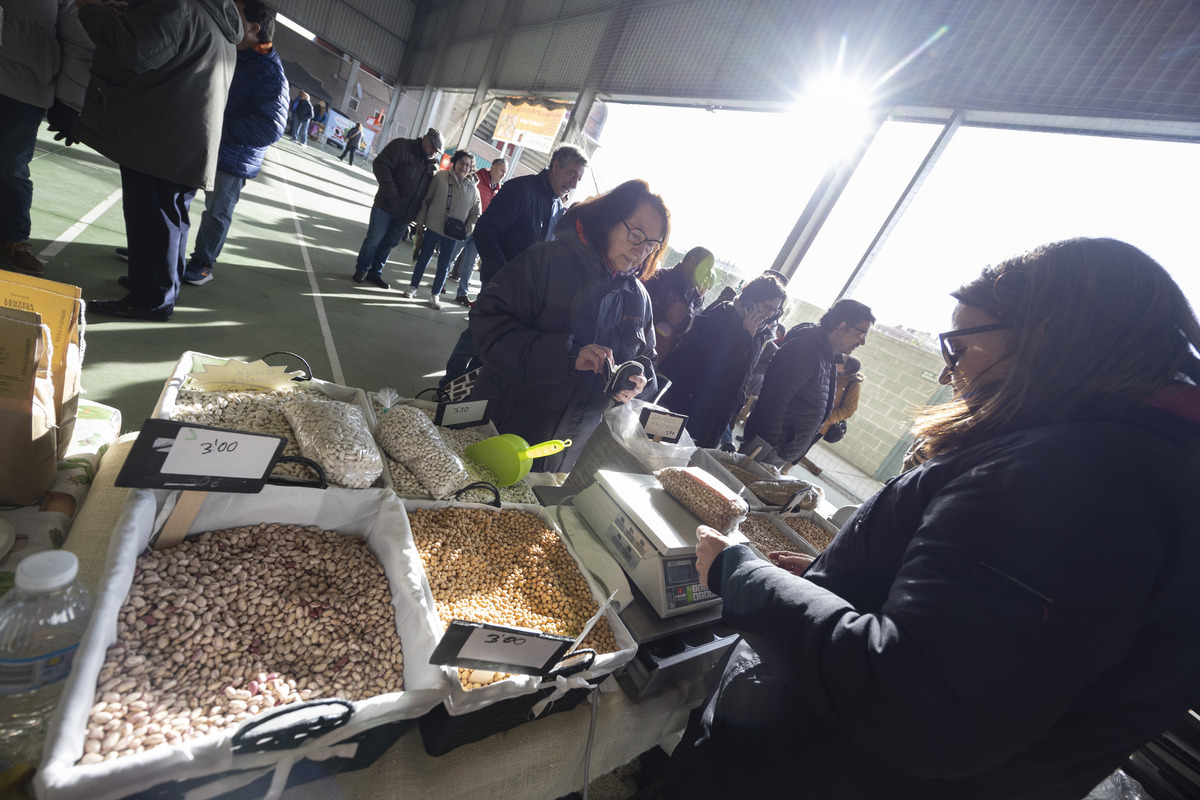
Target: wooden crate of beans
{"type": "Point", "coordinates": [508, 568]}
{"type": "Point", "coordinates": [256, 612]}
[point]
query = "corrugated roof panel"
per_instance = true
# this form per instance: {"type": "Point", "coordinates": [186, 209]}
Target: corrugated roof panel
{"type": "Point", "coordinates": [568, 57]}
{"type": "Point", "coordinates": [464, 64]}
{"type": "Point", "coordinates": [523, 58]}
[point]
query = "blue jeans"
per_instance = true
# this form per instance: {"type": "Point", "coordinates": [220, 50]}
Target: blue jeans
{"type": "Point", "coordinates": [302, 131]}
{"type": "Point", "coordinates": [383, 233]}
{"type": "Point", "coordinates": [445, 257]}
{"type": "Point", "coordinates": [214, 222]}
{"type": "Point", "coordinates": [18, 138]}
{"type": "Point", "coordinates": [468, 265]}
{"type": "Point", "coordinates": [156, 227]}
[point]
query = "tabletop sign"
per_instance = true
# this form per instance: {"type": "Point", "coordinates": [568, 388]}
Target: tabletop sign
{"type": "Point", "coordinates": [663, 426]}
{"type": "Point", "coordinates": [480, 645]}
{"type": "Point", "coordinates": [182, 455]}
{"type": "Point", "coordinates": [462, 415]}
{"type": "Point", "coordinates": [238, 376]}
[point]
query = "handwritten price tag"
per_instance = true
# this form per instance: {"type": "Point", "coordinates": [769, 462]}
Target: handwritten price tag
{"type": "Point", "coordinates": [220, 454]}
{"type": "Point", "coordinates": [461, 415]}
{"type": "Point", "coordinates": [498, 647]}
{"type": "Point", "coordinates": [662, 425]}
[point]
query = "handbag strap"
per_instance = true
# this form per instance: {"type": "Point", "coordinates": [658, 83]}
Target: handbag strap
{"type": "Point", "coordinates": [449, 194]}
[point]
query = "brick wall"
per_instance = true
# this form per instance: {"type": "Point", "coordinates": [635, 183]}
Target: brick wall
{"type": "Point", "coordinates": [901, 368]}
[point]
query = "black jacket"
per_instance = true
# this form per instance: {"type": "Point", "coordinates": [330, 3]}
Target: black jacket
{"type": "Point", "coordinates": [708, 372]}
{"type": "Point", "coordinates": [676, 301]}
{"type": "Point", "coordinates": [797, 393]}
{"type": "Point", "coordinates": [1005, 621]}
{"type": "Point", "coordinates": [404, 172]}
{"type": "Point", "coordinates": [517, 218]}
{"type": "Point", "coordinates": [529, 326]}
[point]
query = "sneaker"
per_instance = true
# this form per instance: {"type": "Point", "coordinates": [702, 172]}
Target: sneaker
{"type": "Point", "coordinates": [129, 307]}
{"type": "Point", "coordinates": [463, 301]}
{"type": "Point", "coordinates": [434, 303]}
{"type": "Point", "coordinates": [197, 277]}
{"type": "Point", "coordinates": [122, 253]}
{"type": "Point", "coordinates": [359, 276]}
{"type": "Point", "coordinates": [409, 293]}
{"type": "Point", "coordinates": [377, 280]}
{"type": "Point", "coordinates": [19, 255]}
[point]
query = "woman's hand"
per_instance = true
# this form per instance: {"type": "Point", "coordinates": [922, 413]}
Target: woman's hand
{"type": "Point", "coordinates": [794, 563]}
{"type": "Point", "coordinates": [592, 357]}
{"type": "Point", "coordinates": [756, 317]}
{"type": "Point", "coordinates": [709, 544]}
{"type": "Point", "coordinates": [625, 395]}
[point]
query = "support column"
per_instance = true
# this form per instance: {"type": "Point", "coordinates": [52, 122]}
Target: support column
{"type": "Point", "coordinates": [499, 40]}
{"type": "Point", "coordinates": [910, 191]}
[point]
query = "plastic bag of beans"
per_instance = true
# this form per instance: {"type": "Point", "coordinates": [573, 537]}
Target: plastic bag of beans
{"type": "Point", "coordinates": [705, 496]}
{"type": "Point", "coordinates": [336, 436]}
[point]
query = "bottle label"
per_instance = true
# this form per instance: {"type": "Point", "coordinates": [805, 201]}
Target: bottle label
{"type": "Point", "coordinates": [27, 674]}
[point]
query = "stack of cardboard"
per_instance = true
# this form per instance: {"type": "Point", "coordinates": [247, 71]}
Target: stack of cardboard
{"type": "Point", "coordinates": [41, 358]}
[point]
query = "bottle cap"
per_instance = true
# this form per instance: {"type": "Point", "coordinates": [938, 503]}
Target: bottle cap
{"type": "Point", "coordinates": [46, 571]}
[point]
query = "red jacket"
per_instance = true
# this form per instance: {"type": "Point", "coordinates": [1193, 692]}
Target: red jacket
{"type": "Point", "coordinates": [486, 187]}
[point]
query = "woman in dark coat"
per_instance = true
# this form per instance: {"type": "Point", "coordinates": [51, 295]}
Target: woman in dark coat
{"type": "Point", "coordinates": [992, 624]}
{"type": "Point", "coordinates": [353, 137]}
{"type": "Point", "coordinates": [708, 369]}
{"type": "Point", "coordinates": [553, 316]}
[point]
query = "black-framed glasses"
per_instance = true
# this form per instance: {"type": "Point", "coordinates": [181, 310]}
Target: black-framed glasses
{"type": "Point", "coordinates": [861, 333]}
{"type": "Point", "coordinates": [638, 239]}
{"type": "Point", "coordinates": [948, 353]}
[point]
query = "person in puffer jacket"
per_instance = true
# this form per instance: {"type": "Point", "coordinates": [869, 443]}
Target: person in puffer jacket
{"type": "Point", "coordinates": [550, 319]}
{"type": "Point", "coordinates": [255, 115]}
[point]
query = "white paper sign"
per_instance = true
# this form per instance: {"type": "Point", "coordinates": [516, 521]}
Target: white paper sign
{"type": "Point", "coordinates": [220, 454]}
{"type": "Point", "coordinates": [454, 415]}
{"type": "Point", "coordinates": [506, 647]}
{"type": "Point", "coordinates": [667, 426]}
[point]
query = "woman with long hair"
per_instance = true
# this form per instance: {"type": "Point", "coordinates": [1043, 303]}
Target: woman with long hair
{"type": "Point", "coordinates": [1015, 616]}
{"type": "Point", "coordinates": [553, 317]}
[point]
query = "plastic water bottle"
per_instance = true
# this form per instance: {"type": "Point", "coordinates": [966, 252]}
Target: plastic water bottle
{"type": "Point", "coordinates": [42, 620]}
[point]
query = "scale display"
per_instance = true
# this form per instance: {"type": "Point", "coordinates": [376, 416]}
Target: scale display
{"type": "Point", "coordinates": [652, 537]}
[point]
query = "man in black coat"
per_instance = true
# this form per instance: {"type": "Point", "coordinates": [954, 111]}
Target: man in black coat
{"type": "Point", "coordinates": [521, 214]}
{"type": "Point", "coordinates": [404, 169]}
{"type": "Point", "coordinates": [799, 387]}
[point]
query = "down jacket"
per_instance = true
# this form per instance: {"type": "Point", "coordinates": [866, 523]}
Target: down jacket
{"type": "Point", "coordinates": [45, 53]}
{"type": "Point", "coordinates": [988, 625]}
{"type": "Point", "coordinates": [160, 78]}
{"type": "Point", "coordinates": [797, 393]}
{"type": "Point", "coordinates": [404, 172]}
{"type": "Point", "coordinates": [255, 114]}
{"type": "Point", "coordinates": [708, 372]}
{"type": "Point", "coordinates": [529, 327]}
{"type": "Point", "coordinates": [676, 301]}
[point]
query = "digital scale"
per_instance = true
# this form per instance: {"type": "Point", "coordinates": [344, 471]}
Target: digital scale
{"type": "Point", "coordinates": [651, 535]}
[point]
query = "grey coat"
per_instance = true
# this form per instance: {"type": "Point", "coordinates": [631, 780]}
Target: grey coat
{"type": "Point", "coordinates": [160, 79]}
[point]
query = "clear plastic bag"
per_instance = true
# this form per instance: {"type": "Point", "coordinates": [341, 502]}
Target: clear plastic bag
{"type": "Point", "coordinates": [701, 493]}
{"type": "Point", "coordinates": [624, 421]}
{"type": "Point", "coordinates": [336, 436]}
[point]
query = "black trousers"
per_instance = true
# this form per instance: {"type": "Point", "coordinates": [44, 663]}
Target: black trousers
{"type": "Point", "coordinates": [156, 228]}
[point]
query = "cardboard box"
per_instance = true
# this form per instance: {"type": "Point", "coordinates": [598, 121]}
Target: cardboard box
{"type": "Point", "coordinates": [61, 308]}
{"type": "Point", "coordinates": [28, 443]}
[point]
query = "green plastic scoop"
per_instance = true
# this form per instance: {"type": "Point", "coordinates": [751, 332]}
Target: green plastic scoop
{"type": "Point", "coordinates": [509, 456]}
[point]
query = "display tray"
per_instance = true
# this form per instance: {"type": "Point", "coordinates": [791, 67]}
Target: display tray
{"type": "Point", "coordinates": [705, 460]}
{"type": "Point", "coordinates": [338, 734]}
{"type": "Point", "coordinates": [470, 715]}
{"type": "Point", "coordinates": [813, 517]}
{"type": "Point", "coordinates": [798, 543]}
{"type": "Point", "coordinates": [192, 361]}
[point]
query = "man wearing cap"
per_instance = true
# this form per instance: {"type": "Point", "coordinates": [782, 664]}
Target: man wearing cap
{"type": "Point", "coordinates": [404, 169]}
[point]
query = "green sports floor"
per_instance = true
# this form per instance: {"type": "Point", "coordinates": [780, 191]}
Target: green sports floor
{"type": "Point", "coordinates": [282, 282]}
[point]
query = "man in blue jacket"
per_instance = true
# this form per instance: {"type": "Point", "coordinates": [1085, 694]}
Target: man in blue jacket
{"type": "Point", "coordinates": [255, 115]}
{"type": "Point", "coordinates": [521, 214]}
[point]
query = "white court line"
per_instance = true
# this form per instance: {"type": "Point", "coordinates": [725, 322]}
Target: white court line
{"type": "Point", "coordinates": [335, 365]}
{"type": "Point", "coordinates": [55, 247]}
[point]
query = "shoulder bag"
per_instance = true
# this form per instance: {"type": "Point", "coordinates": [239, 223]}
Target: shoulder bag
{"type": "Point", "coordinates": [455, 229]}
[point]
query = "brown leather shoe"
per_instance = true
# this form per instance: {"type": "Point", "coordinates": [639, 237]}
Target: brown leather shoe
{"type": "Point", "coordinates": [19, 255]}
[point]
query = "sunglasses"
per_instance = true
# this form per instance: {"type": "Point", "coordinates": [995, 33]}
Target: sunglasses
{"type": "Point", "coordinates": [950, 355]}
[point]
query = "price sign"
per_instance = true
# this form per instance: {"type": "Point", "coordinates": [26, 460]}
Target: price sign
{"type": "Point", "coordinates": [179, 455]}
{"type": "Point", "coordinates": [663, 425]}
{"type": "Point", "coordinates": [500, 648]}
{"type": "Point", "coordinates": [462, 415]}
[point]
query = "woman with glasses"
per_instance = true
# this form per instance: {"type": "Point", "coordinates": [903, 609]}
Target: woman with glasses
{"type": "Point", "coordinates": [1014, 617]}
{"type": "Point", "coordinates": [709, 368]}
{"type": "Point", "coordinates": [556, 317]}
